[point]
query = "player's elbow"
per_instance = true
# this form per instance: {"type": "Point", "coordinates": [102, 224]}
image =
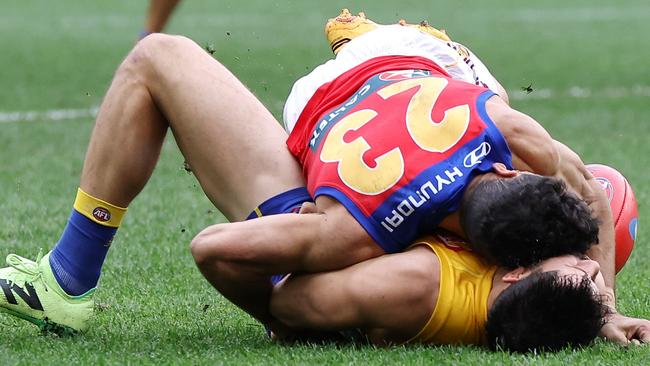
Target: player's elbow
{"type": "Point", "coordinates": [206, 246]}
{"type": "Point", "coordinates": [503, 94]}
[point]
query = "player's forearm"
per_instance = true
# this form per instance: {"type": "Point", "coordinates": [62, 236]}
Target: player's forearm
{"type": "Point", "coordinates": [268, 245]}
{"type": "Point", "coordinates": [286, 243]}
{"type": "Point", "coordinates": [604, 253]}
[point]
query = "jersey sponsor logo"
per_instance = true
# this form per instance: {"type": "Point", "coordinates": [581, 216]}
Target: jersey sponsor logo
{"type": "Point", "coordinates": [101, 214]}
{"type": "Point", "coordinates": [437, 185]}
{"type": "Point", "coordinates": [29, 297]}
{"type": "Point", "coordinates": [429, 189]}
{"type": "Point", "coordinates": [334, 115]}
{"type": "Point", "coordinates": [474, 157]}
{"type": "Point", "coordinates": [607, 187]}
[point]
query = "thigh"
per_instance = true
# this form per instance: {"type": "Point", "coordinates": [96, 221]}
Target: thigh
{"type": "Point", "coordinates": [233, 144]}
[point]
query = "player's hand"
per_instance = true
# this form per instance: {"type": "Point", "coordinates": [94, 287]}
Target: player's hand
{"type": "Point", "coordinates": [625, 330]}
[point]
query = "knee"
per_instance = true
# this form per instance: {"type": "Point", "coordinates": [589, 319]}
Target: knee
{"type": "Point", "coordinates": [154, 54]}
{"type": "Point", "coordinates": [157, 45]}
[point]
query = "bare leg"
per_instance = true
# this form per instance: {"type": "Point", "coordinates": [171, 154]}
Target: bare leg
{"type": "Point", "coordinates": [234, 145]}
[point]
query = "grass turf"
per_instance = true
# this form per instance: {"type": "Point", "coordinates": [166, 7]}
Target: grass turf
{"type": "Point", "coordinates": [583, 59]}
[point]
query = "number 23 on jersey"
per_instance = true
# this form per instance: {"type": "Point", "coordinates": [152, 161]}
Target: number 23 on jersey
{"type": "Point", "coordinates": [428, 134]}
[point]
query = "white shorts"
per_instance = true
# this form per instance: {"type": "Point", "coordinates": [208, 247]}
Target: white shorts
{"type": "Point", "coordinates": [388, 40]}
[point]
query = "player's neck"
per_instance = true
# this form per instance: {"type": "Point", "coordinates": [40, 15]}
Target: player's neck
{"type": "Point", "coordinates": [452, 223]}
{"type": "Point", "coordinates": [498, 286]}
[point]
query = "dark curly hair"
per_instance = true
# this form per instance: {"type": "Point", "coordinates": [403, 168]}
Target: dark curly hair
{"type": "Point", "coordinates": [545, 312]}
{"type": "Point", "coordinates": [522, 220]}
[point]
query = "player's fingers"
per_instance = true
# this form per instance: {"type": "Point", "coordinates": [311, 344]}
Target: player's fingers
{"type": "Point", "coordinates": [635, 342]}
{"type": "Point", "coordinates": [307, 207]}
{"type": "Point", "coordinates": [644, 336]}
{"type": "Point", "coordinates": [617, 337]}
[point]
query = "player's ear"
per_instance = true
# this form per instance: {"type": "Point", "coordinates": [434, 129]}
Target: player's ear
{"type": "Point", "coordinates": [501, 170]}
{"type": "Point", "coordinates": [515, 275]}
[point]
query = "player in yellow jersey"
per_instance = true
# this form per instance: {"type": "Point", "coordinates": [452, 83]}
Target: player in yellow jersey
{"type": "Point", "coordinates": [437, 292]}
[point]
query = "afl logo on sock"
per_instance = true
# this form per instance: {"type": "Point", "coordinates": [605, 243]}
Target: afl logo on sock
{"type": "Point", "coordinates": [101, 214]}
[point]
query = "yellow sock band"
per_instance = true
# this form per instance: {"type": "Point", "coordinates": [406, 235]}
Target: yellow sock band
{"type": "Point", "coordinates": [97, 210]}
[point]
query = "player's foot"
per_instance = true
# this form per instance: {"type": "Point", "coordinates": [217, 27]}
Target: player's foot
{"type": "Point", "coordinates": [345, 27]}
{"type": "Point", "coordinates": [30, 292]}
{"type": "Point", "coordinates": [424, 26]}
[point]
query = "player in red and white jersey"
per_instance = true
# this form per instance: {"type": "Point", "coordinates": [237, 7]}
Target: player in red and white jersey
{"type": "Point", "coordinates": [396, 141]}
{"type": "Point", "coordinates": [376, 48]}
{"type": "Point", "coordinates": [384, 131]}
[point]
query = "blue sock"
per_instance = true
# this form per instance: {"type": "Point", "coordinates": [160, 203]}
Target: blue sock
{"type": "Point", "coordinates": [77, 258]}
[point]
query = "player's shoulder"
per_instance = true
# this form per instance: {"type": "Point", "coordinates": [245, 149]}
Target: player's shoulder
{"type": "Point", "coordinates": [420, 268]}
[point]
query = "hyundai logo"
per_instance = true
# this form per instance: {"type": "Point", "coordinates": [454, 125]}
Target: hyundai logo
{"type": "Point", "coordinates": [475, 156]}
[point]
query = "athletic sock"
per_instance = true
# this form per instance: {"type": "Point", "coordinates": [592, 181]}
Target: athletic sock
{"type": "Point", "coordinates": [77, 258]}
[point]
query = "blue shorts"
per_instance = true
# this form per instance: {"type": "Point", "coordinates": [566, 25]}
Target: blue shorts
{"type": "Point", "coordinates": [285, 202]}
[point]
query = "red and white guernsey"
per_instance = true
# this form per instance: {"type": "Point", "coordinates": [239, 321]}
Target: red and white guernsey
{"type": "Point", "coordinates": [396, 141]}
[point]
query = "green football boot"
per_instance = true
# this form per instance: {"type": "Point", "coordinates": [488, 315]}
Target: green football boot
{"type": "Point", "coordinates": [30, 292]}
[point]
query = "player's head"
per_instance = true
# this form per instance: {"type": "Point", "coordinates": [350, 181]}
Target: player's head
{"type": "Point", "coordinates": [548, 307]}
{"type": "Point", "coordinates": [521, 219]}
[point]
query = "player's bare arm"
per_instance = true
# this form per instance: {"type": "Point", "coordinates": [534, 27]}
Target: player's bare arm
{"type": "Point", "coordinates": [389, 297]}
{"type": "Point", "coordinates": [573, 171]}
{"type": "Point", "coordinates": [238, 258]}
{"type": "Point", "coordinates": [285, 243]}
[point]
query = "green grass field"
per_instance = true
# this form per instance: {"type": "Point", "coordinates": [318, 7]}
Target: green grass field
{"type": "Point", "coordinates": [586, 61]}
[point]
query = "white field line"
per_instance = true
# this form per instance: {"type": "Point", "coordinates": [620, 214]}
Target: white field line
{"type": "Point", "coordinates": [48, 115]}
{"type": "Point", "coordinates": [580, 14]}
{"type": "Point", "coordinates": [574, 92]}
{"type": "Point", "coordinates": [577, 92]}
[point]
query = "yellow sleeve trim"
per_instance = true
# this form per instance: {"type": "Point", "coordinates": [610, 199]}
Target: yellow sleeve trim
{"type": "Point", "coordinates": [97, 210]}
